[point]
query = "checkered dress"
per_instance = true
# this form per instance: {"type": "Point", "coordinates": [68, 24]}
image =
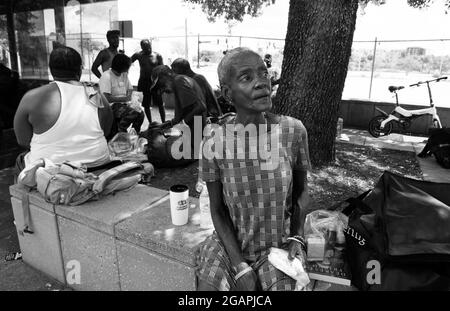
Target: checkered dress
{"type": "Point", "coordinates": [259, 200]}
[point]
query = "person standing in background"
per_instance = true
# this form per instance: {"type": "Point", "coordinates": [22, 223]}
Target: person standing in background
{"type": "Point", "coordinates": [105, 57]}
{"type": "Point", "coordinates": [148, 60]}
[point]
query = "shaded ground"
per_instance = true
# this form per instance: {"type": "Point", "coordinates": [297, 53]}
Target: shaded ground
{"type": "Point", "coordinates": [166, 177]}
{"type": "Point", "coordinates": [356, 170]}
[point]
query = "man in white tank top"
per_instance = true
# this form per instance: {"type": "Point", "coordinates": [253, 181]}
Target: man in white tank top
{"type": "Point", "coordinates": [64, 120]}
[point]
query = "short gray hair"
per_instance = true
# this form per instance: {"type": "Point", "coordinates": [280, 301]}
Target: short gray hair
{"type": "Point", "coordinates": [226, 64]}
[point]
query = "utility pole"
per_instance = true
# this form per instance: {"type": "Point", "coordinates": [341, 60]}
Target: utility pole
{"type": "Point", "coordinates": [186, 50]}
{"type": "Point", "coordinates": [198, 49]}
{"type": "Point", "coordinates": [373, 66]}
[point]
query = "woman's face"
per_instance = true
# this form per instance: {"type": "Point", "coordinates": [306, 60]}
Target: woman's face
{"type": "Point", "coordinates": [249, 85]}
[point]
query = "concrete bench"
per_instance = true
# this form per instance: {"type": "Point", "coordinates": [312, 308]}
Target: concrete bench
{"type": "Point", "coordinates": [121, 242]}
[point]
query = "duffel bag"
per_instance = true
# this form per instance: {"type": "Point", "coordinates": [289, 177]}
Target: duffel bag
{"type": "Point", "coordinates": [398, 235]}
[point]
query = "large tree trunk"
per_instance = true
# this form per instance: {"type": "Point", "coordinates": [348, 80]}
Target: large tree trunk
{"type": "Point", "coordinates": [316, 55]}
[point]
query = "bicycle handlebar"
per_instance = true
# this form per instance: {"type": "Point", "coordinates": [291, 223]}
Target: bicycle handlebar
{"type": "Point", "coordinates": [423, 82]}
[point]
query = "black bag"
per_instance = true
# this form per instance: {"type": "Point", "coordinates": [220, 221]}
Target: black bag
{"type": "Point", "coordinates": [160, 141]}
{"type": "Point", "coordinates": [398, 235]}
{"type": "Point", "coordinates": [439, 145]}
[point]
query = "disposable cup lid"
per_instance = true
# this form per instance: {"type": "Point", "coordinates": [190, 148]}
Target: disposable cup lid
{"type": "Point", "coordinates": [178, 188]}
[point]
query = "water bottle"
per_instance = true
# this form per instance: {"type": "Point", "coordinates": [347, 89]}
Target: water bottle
{"type": "Point", "coordinates": [205, 211]}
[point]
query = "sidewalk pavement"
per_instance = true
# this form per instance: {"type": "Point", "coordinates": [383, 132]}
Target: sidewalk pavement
{"type": "Point", "coordinates": [431, 170]}
{"type": "Point", "coordinates": [16, 275]}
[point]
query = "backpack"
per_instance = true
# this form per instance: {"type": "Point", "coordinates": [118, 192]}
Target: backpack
{"type": "Point", "coordinates": [69, 184]}
{"type": "Point", "coordinates": [161, 139]}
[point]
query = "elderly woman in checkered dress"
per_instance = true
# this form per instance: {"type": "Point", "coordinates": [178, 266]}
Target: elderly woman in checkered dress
{"type": "Point", "coordinates": [257, 201]}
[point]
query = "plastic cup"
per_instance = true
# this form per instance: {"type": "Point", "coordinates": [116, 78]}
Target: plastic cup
{"type": "Point", "coordinates": [179, 204]}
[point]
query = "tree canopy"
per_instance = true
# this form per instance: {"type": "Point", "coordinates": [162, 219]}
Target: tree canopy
{"type": "Point", "coordinates": [237, 9]}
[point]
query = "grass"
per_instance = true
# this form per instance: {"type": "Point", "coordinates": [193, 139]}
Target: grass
{"type": "Point", "coordinates": [356, 169]}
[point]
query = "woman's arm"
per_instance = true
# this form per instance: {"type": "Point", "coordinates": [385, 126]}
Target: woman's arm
{"type": "Point", "coordinates": [300, 201]}
{"type": "Point", "coordinates": [300, 194]}
{"type": "Point", "coordinates": [225, 230]}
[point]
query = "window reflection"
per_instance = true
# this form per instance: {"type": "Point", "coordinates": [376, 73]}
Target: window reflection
{"type": "Point", "coordinates": [4, 43]}
{"type": "Point", "coordinates": [31, 44]}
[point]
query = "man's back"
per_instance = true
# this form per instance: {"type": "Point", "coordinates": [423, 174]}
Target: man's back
{"type": "Point", "coordinates": [58, 122]}
{"type": "Point", "coordinates": [212, 105]}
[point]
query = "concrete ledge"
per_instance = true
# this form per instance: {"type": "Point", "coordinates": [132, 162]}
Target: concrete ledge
{"type": "Point", "coordinates": [105, 213]}
{"type": "Point", "coordinates": [126, 241]}
{"type": "Point", "coordinates": [143, 270]}
{"type": "Point", "coordinates": [34, 197]}
{"type": "Point", "coordinates": [153, 230]}
{"type": "Point", "coordinates": [42, 249]}
{"type": "Point", "coordinates": [95, 252]}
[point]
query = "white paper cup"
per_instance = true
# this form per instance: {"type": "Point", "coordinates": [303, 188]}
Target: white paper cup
{"type": "Point", "coordinates": [179, 204]}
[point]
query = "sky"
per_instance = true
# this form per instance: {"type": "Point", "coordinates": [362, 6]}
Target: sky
{"type": "Point", "coordinates": [393, 20]}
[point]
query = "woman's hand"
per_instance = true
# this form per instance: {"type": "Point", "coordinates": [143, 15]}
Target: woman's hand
{"type": "Point", "coordinates": [295, 249]}
{"type": "Point", "coordinates": [247, 282]}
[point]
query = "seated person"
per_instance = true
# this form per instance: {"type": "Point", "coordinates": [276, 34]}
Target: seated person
{"type": "Point", "coordinates": [254, 206]}
{"type": "Point", "coordinates": [183, 93]}
{"type": "Point", "coordinates": [181, 66]}
{"type": "Point", "coordinates": [64, 120]}
{"type": "Point", "coordinates": [117, 88]}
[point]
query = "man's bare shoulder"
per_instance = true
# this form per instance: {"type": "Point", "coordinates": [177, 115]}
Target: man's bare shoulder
{"type": "Point", "coordinates": [41, 95]}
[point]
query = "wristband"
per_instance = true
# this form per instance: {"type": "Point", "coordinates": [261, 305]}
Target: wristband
{"type": "Point", "coordinates": [298, 239]}
{"type": "Point", "coordinates": [240, 274]}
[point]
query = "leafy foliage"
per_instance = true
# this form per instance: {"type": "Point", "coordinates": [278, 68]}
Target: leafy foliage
{"type": "Point", "coordinates": [237, 9]}
{"type": "Point", "coordinates": [231, 9]}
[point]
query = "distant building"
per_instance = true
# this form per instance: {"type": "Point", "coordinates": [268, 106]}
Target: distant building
{"type": "Point", "coordinates": [415, 51]}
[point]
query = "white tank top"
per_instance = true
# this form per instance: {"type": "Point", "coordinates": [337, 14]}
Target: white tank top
{"type": "Point", "coordinates": [76, 136]}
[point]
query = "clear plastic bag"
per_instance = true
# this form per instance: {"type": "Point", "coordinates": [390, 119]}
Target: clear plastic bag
{"type": "Point", "coordinates": [323, 230]}
{"type": "Point", "coordinates": [121, 144]}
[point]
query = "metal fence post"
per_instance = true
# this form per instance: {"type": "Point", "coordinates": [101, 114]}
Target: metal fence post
{"type": "Point", "coordinates": [373, 67]}
{"type": "Point", "coordinates": [198, 51]}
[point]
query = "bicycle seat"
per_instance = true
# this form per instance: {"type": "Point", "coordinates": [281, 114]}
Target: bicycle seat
{"type": "Point", "coordinates": [393, 88]}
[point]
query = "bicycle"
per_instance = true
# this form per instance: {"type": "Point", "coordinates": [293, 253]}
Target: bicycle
{"type": "Point", "coordinates": [382, 125]}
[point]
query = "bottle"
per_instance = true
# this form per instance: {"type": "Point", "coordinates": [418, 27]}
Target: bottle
{"type": "Point", "coordinates": [205, 211]}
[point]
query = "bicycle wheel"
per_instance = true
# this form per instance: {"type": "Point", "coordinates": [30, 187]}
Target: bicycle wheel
{"type": "Point", "coordinates": [374, 127]}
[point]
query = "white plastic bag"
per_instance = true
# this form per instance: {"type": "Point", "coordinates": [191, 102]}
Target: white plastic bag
{"type": "Point", "coordinates": [293, 268]}
{"type": "Point", "coordinates": [136, 101]}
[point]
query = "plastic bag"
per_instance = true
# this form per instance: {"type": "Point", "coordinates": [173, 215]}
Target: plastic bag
{"type": "Point", "coordinates": [120, 144]}
{"type": "Point", "coordinates": [323, 230]}
{"type": "Point", "coordinates": [293, 268]}
{"type": "Point", "coordinates": [136, 101]}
